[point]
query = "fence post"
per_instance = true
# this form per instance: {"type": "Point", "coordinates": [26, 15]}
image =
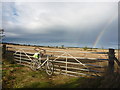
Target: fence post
{"type": "Point", "coordinates": [66, 63]}
{"type": "Point", "coordinates": [20, 57]}
{"type": "Point", "coordinates": [111, 61]}
{"type": "Point", "coordinates": [3, 50]}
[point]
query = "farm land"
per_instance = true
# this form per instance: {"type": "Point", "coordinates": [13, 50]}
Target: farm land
{"type": "Point", "coordinates": [18, 76]}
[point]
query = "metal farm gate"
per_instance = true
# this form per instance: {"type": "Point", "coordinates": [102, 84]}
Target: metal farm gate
{"type": "Point", "coordinates": [68, 64]}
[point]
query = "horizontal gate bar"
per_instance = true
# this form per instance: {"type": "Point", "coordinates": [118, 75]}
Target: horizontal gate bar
{"type": "Point", "coordinates": [78, 73]}
{"type": "Point", "coordinates": [23, 58]}
{"type": "Point", "coordinates": [77, 63]}
{"type": "Point", "coordinates": [68, 57]}
{"type": "Point", "coordinates": [23, 61]}
{"type": "Point", "coordinates": [81, 69]}
{"type": "Point", "coordinates": [80, 58]}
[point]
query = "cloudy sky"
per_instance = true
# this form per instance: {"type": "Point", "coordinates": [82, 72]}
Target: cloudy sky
{"type": "Point", "coordinates": [93, 24]}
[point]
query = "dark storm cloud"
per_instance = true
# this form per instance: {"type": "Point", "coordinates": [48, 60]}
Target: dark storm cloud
{"type": "Point", "coordinates": [59, 22]}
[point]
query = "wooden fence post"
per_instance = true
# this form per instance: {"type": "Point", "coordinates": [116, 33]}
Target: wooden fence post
{"type": "Point", "coordinates": [111, 61]}
{"type": "Point", "coordinates": [66, 63]}
{"type": "Point", "coordinates": [3, 50]}
{"type": "Point", "coordinates": [20, 57]}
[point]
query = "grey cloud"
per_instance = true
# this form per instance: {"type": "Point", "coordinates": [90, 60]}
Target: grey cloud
{"type": "Point", "coordinates": [58, 22]}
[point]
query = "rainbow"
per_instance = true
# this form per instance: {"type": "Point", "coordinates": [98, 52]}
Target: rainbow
{"type": "Point", "coordinates": [103, 30]}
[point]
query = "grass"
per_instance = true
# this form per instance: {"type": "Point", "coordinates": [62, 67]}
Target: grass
{"type": "Point", "coordinates": [24, 77]}
{"type": "Point", "coordinates": [17, 76]}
